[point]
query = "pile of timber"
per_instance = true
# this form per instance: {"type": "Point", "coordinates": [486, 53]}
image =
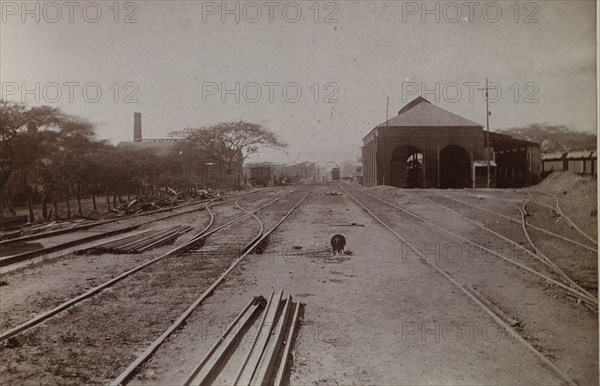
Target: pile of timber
{"type": "Point", "coordinates": [252, 351]}
{"type": "Point", "coordinates": [203, 194]}
{"type": "Point", "coordinates": [145, 203]}
{"type": "Point", "coordinates": [141, 242]}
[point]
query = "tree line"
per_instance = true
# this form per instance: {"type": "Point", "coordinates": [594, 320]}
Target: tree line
{"type": "Point", "coordinates": [48, 156]}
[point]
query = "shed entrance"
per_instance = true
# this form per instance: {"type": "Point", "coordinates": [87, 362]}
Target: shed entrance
{"type": "Point", "coordinates": [406, 167]}
{"type": "Point", "coordinates": [455, 170]}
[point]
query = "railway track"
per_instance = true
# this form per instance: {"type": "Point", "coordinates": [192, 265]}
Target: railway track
{"type": "Point", "coordinates": [278, 207]}
{"type": "Point", "coordinates": [534, 265]}
{"type": "Point", "coordinates": [555, 251]}
{"type": "Point", "coordinates": [517, 220]}
{"type": "Point", "coordinates": [557, 209]}
{"type": "Point", "coordinates": [534, 252]}
{"type": "Point", "coordinates": [76, 240]}
{"type": "Point", "coordinates": [94, 224]}
{"type": "Point", "coordinates": [378, 208]}
{"type": "Point", "coordinates": [199, 238]}
{"type": "Point", "coordinates": [205, 256]}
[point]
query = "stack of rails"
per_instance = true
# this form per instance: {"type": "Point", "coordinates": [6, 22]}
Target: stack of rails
{"type": "Point", "coordinates": [140, 242]}
{"type": "Point", "coordinates": [243, 356]}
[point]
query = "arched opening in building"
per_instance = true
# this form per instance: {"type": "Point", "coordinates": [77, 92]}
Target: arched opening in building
{"type": "Point", "coordinates": [406, 167]}
{"type": "Point", "coordinates": [455, 168]}
{"type": "Point", "coordinates": [414, 168]}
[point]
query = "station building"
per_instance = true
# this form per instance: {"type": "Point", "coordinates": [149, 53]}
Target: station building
{"type": "Point", "coordinates": [425, 146]}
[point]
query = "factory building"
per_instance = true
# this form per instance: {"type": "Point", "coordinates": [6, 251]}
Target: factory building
{"type": "Point", "coordinates": [208, 170]}
{"type": "Point", "coordinates": [425, 146]}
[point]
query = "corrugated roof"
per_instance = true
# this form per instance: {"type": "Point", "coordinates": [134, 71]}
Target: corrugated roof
{"type": "Point", "coordinates": [579, 154]}
{"type": "Point", "coordinates": [552, 156]}
{"type": "Point", "coordinates": [421, 113]}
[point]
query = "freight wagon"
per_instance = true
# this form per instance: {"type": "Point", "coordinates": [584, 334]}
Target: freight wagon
{"type": "Point", "coordinates": [580, 162]}
{"type": "Point", "coordinates": [335, 174]}
{"type": "Point", "coordinates": [261, 175]}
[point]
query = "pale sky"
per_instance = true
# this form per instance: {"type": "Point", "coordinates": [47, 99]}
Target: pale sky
{"type": "Point", "coordinates": [179, 55]}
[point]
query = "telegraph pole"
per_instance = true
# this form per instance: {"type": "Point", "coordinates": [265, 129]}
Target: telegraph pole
{"type": "Point", "coordinates": [487, 118]}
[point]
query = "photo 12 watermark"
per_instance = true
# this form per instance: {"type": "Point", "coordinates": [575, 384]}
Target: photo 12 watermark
{"type": "Point", "coordinates": [54, 12]}
{"type": "Point", "coordinates": [270, 92]}
{"type": "Point", "coordinates": [252, 12]}
{"type": "Point", "coordinates": [434, 332]}
{"type": "Point", "coordinates": [459, 252]}
{"type": "Point", "coordinates": [70, 92]}
{"type": "Point", "coordinates": [469, 11]}
{"type": "Point", "coordinates": [472, 91]}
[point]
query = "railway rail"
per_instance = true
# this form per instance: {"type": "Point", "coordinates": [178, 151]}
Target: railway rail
{"type": "Point", "coordinates": [11, 260]}
{"type": "Point", "coordinates": [556, 207]}
{"type": "Point", "coordinates": [93, 224]}
{"type": "Point", "coordinates": [228, 362]}
{"type": "Point", "coordinates": [557, 257]}
{"type": "Point", "coordinates": [538, 255]}
{"type": "Point", "coordinates": [468, 291]}
{"type": "Point", "coordinates": [140, 302]}
{"type": "Point", "coordinates": [518, 221]}
{"type": "Point", "coordinates": [592, 301]}
{"type": "Point", "coordinates": [247, 249]}
{"type": "Point", "coordinates": [194, 241]}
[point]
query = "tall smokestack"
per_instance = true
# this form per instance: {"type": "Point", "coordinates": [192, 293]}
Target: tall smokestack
{"type": "Point", "coordinates": [137, 127]}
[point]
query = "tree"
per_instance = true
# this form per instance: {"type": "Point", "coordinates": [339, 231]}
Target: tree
{"type": "Point", "coordinates": [19, 143]}
{"type": "Point", "coordinates": [554, 138]}
{"type": "Point", "coordinates": [230, 142]}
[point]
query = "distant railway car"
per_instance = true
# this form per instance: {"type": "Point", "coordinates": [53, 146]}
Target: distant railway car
{"type": "Point", "coordinates": [261, 175]}
{"type": "Point", "coordinates": [335, 174]}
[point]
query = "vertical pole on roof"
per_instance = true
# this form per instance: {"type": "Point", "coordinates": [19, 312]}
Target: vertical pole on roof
{"type": "Point", "coordinates": [487, 116]}
{"type": "Point", "coordinates": [473, 169]}
{"type": "Point", "coordinates": [424, 167]}
{"type": "Point", "coordinates": [438, 166]}
{"type": "Point", "coordinates": [387, 109]}
{"type": "Point", "coordinates": [375, 182]}
{"type": "Point", "coordinates": [530, 154]}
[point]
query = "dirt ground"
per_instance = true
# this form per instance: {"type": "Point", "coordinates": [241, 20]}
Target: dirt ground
{"type": "Point", "coordinates": [111, 326]}
{"type": "Point", "coordinates": [375, 315]}
{"type": "Point", "coordinates": [374, 318]}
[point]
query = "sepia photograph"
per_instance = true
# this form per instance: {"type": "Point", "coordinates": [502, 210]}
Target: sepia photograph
{"type": "Point", "coordinates": [303, 192]}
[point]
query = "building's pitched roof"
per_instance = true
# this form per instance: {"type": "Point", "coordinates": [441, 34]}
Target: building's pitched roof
{"type": "Point", "coordinates": [421, 113]}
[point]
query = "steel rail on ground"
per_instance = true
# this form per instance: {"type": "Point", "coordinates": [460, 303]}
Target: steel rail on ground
{"type": "Point", "coordinates": [111, 220]}
{"type": "Point", "coordinates": [94, 224]}
{"type": "Point", "coordinates": [538, 255]}
{"type": "Point", "coordinates": [589, 248]}
{"type": "Point", "coordinates": [132, 368]}
{"type": "Point", "coordinates": [556, 208]}
{"type": "Point", "coordinates": [557, 269]}
{"type": "Point", "coordinates": [593, 302]}
{"type": "Point", "coordinates": [70, 303]}
{"type": "Point", "coordinates": [572, 222]}
{"type": "Point", "coordinates": [470, 295]}
{"type": "Point", "coordinates": [14, 259]}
